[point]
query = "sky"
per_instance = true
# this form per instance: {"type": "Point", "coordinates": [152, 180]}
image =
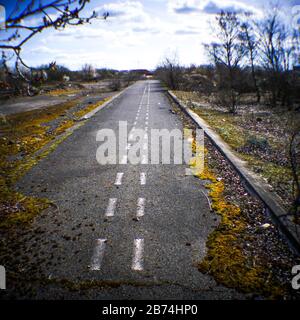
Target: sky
{"type": "Point", "coordinates": [137, 34]}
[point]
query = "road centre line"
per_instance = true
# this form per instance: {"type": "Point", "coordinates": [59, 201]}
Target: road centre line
{"type": "Point", "coordinates": [143, 178]}
{"type": "Point", "coordinates": [110, 210]}
{"type": "Point", "coordinates": [140, 207]}
{"type": "Point", "coordinates": [119, 177]}
{"type": "Point", "coordinates": [98, 254]}
{"type": "Point", "coordinates": [138, 260]}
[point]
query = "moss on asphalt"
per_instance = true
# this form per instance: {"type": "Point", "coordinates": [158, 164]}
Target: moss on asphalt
{"type": "Point", "coordinates": [22, 135]}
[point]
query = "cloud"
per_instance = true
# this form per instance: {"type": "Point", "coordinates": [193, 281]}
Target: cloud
{"type": "Point", "coordinates": [187, 31]}
{"type": "Point", "coordinates": [123, 10]}
{"type": "Point", "coordinates": [184, 6]}
{"type": "Point", "coordinates": [213, 8]}
{"type": "Point", "coordinates": [141, 29]}
{"type": "Point", "coordinates": [130, 15]}
{"type": "Point", "coordinates": [209, 7]}
{"type": "Point", "coordinates": [43, 50]}
{"type": "Point", "coordinates": [185, 9]}
{"type": "Point", "coordinates": [135, 35]}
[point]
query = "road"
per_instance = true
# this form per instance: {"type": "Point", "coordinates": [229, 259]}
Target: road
{"type": "Point", "coordinates": [137, 231]}
{"type": "Point", "coordinates": [91, 91]}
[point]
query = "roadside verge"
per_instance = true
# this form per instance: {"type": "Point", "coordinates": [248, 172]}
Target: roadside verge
{"type": "Point", "coordinates": [253, 183]}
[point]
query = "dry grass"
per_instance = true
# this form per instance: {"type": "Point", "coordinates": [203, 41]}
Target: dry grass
{"type": "Point", "coordinates": [272, 163]}
{"type": "Point", "coordinates": [226, 259]}
{"type": "Point", "coordinates": [62, 92]}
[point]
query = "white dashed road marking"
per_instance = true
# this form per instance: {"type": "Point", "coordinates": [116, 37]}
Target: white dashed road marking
{"type": "Point", "coordinates": [98, 254]}
{"type": "Point", "coordinates": [119, 177]}
{"type": "Point", "coordinates": [140, 207]}
{"type": "Point", "coordinates": [143, 178]}
{"type": "Point", "coordinates": [138, 260]}
{"type": "Point", "coordinates": [110, 210]}
{"type": "Point", "coordinates": [100, 244]}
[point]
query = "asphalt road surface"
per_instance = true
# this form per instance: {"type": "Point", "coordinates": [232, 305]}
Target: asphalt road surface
{"type": "Point", "coordinates": [138, 231]}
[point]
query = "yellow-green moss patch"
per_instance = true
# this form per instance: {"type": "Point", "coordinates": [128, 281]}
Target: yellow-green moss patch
{"type": "Point", "coordinates": [61, 92]}
{"type": "Point", "coordinates": [226, 260]}
{"type": "Point", "coordinates": [89, 108]}
{"type": "Point", "coordinates": [22, 135]}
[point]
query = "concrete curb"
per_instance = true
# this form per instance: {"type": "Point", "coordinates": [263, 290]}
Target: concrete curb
{"type": "Point", "coordinates": [254, 183]}
{"type": "Point", "coordinates": [105, 104]}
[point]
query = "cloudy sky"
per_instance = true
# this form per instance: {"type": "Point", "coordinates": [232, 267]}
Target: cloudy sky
{"type": "Point", "coordinates": [138, 34]}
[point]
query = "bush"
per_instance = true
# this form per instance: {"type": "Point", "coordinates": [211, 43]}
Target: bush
{"type": "Point", "coordinates": [259, 143]}
{"type": "Point", "coordinates": [115, 84]}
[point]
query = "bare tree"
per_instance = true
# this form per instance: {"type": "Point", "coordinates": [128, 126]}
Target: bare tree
{"type": "Point", "coordinates": [251, 45]}
{"type": "Point", "coordinates": [88, 72]}
{"type": "Point", "coordinates": [170, 71]}
{"type": "Point", "coordinates": [296, 46]}
{"type": "Point", "coordinates": [276, 52]}
{"type": "Point", "coordinates": [227, 54]}
{"type": "Point", "coordinates": [20, 28]}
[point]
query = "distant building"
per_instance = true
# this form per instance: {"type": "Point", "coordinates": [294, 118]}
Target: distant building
{"type": "Point", "coordinates": [142, 72]}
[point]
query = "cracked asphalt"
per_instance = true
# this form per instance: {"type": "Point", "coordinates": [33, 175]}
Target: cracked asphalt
{"type": "Point", "coordinates": [172, 225]}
